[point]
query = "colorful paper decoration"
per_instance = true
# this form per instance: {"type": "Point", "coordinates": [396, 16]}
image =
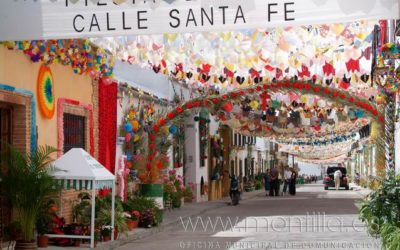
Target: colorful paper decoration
{"type": "Point", "coordinates": [81, 55]}
{"type": "Point", "coordinates": [45, 92]}
{"type": "Point", "coordinates": [241, 58]}
{"type": "Point", "coordinates": [329, 118]}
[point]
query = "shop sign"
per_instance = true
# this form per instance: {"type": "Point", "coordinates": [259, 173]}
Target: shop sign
{"type": "Point", "coordinates": [54, 19]}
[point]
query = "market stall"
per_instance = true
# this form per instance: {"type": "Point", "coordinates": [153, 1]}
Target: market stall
{"type": "Point", "coordinates": [78, 170]}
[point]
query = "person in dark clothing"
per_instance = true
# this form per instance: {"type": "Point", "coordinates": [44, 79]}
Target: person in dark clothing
{"type": "Point", "coordinates": [274, 184]}
{"type": "Point", "coordinates": [292, 185]}
{"type": "Point", "coordinates": [267, 182]}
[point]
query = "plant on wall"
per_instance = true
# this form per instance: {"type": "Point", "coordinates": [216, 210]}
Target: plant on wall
{"type": "Point", "coordinates": [217, 158]}
{"type": "Point", "coordinates": [204, 131]}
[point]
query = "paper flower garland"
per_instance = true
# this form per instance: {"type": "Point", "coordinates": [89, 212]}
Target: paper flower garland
{"type": "Point", "coordinates": [45, 92]}
{"type": "Point", "coordinates": [240, 58]}
{"type": "Point", "coordinates": [81, 55]}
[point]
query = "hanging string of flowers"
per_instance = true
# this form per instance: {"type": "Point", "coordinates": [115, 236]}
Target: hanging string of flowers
{"type": "Point", "coordinates": [135, 130]}
{"type": "Point", "coordinates": [81, 55]}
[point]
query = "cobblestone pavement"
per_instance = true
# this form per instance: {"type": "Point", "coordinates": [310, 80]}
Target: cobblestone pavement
{"type": "Point", "coordinates": [313, 219]}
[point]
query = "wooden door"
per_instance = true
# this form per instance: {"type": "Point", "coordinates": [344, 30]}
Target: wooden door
{"type": "Point", "coordinates": [6, 123]}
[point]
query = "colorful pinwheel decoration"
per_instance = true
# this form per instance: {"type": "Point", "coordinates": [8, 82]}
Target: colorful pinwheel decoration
{"type": "Point", "coordinates": [45, 92]}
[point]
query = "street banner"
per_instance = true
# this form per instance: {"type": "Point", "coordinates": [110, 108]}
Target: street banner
{"type": "Point", "coordinates": [56, 19]}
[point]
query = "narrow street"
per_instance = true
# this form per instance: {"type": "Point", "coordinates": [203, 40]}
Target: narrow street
{"type": "Point", "coordinates": [313, 219]}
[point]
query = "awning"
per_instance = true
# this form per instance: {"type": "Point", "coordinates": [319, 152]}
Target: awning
{"type": "Point", "coordinates": [77, 170]}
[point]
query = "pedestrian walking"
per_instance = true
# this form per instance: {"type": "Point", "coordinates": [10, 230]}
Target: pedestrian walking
{"type": "Point", "coordinates": [274, 185]}
{"type": "Point", "coordinates": [337, 175]}
{"type": "Point", "coordinates": [267, 183]}
{"type": "Point", "coordinates": [286, 180]}
{"type": "Point", "coordinates": [292, 185]}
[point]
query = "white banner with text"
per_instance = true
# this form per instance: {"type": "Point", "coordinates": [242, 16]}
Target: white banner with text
{"type": "Point", "coordinates": [56, 19]}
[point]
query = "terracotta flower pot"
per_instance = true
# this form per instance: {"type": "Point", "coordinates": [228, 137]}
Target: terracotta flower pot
{"type": "Point", "coordinates": [21, 245]}
{"type": "Point", "coordinates": [42, 241]}
{"type": "Point", "coordinates": [106, 237]}
{"type": "Point", "coordinates": [77, 243]}
{"type": "Point", "coordinates": [132, 224]}
{"type": "Point", "coordinates": [136, 223]}
{"type": "Point", "coordinates": [116, 233]}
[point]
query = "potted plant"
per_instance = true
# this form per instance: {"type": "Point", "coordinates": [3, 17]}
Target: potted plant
{"type": "Point", "coordinates": [42, 228]}
{"type": "Point", "coordinates": [13, 231]}
{"type": "Point", "coordinates": [97, 236]}
{"type": "Point", "coordinates": [148, 218]}
{"type": "Point", "coordinates": [78, 230]}
{"type": "Point", "coordinates": [82, 209]}
{"type": "Point", "coordinates": [132, 219]}
{"type": "Point", "coordinates": [381, 212]}
{"type": "Point", "coordinates": [106, 232]}
{"type": "Point", "coordinates": [142, 204]}
{"type": "Point", "coordinates": [28, 184]}
{"type": "Point", "coordinates": [103, 213]}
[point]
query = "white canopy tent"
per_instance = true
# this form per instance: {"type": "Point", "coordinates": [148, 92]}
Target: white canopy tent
{"type": "Point", "coordinates": [78, 170]}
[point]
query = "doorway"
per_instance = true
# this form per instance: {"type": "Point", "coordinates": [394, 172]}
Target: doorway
{"type": "Point", "coordinates": [6, 125]}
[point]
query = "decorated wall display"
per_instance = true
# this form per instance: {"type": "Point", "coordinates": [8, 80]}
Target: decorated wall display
{"type": "Point", "coordinates": [45, 92]}
{"type": "Point", "coordinates": [178, 134]}
{"type": "Point", "coordinates": [81, 55]}
{"type": "Point", "coordinates": [387, 70]}
{"type": "Point", "coordinates": [146, 154]}
{"type": "Point", "coordinates": [203, 123]}
{"type": "Point", "coordinates": [107, 120]}
{"type": "Point", "coordinates": [216, 158]}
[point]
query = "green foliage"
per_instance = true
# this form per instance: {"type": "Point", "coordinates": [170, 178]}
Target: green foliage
{"type": "Point", "coordinates": [258, 185]}
{"type": "Point", "coordinates": [28, 185]}
{"type": "Point", "coordinates": [44, 219]}
{"type": "Point", "coordinates": [81, 211]}
{"type": "Point", "coordinates": [104, 210]}
{"type": "Point", "coordinates": [13, 231]}
{"type": "Point", "coordinates": [381, 212]}
{"type": "Point", "coordinates": [143, 205]}
{"type": "Point", "coordinates": [188, 193]}
{"type": "Point", "coordinates": [175, 190]}
{"type": "Point", "coordinates": [259, 177]}
{"type": "Point", "coordinates": [390, 237]}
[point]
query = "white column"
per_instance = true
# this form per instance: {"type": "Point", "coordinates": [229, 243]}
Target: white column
{"type": "Point", "coordinates": [192, 147]}
{"type": "Point", "coordinates": [113, 211]}
{"type": "Point", "coordinates": [397, 147]}
{"type": "Point", "coordinates": [93, 214]}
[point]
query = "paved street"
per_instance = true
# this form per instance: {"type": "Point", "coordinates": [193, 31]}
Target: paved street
{"type": "Point", "coordinates": [313, 219]}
